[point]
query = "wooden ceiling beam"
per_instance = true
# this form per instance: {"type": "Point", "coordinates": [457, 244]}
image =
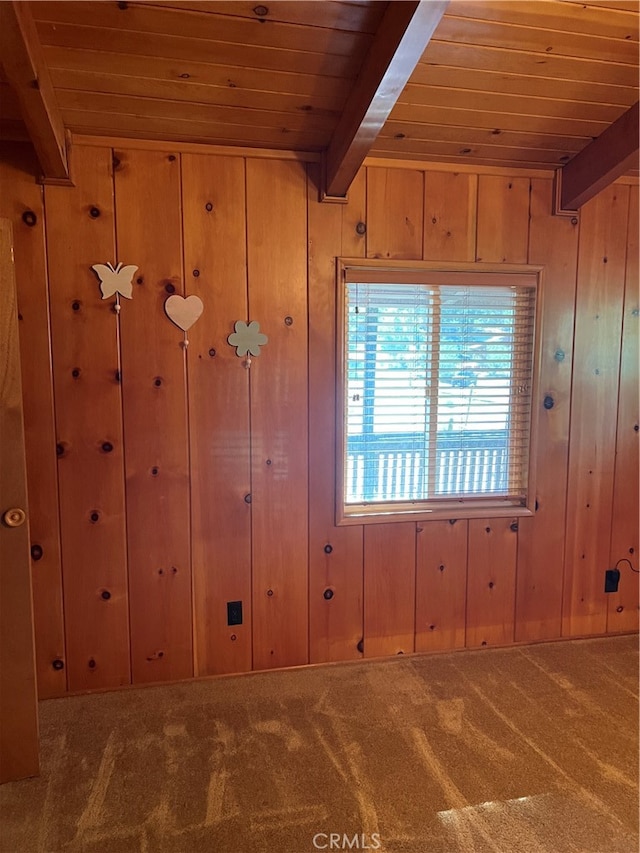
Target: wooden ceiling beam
{"type": "Point", "coordinates": [27, 73]}
{"type": "Point", "coordinates": [401, 39]}
{"type": "Point", "coordinates": [608, 157]}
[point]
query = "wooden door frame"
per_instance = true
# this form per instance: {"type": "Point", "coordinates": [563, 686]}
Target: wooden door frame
{"type": "Point", "coordinates": [19, 756]}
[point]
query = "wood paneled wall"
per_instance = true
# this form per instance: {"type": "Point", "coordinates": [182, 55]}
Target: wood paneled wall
{"type": "Point", "coordinates": [168, 481]}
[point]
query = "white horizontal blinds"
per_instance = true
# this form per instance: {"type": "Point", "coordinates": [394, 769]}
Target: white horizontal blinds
{"type": "Point", "coordinates": [438, 391]}
{"type": "Point", "coordinates": [484, 397]}
{"type": "Point", "coordinates": [522, 387]}
{"type": "Point", "coordinates": [389, 367]}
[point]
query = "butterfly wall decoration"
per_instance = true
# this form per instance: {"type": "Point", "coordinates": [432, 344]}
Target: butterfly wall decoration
{"type": "Point", "coordinates": [115, 280]}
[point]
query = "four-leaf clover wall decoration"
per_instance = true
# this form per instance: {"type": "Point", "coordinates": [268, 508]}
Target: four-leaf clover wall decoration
{"type": "Point", "coordinates": [247, 339]}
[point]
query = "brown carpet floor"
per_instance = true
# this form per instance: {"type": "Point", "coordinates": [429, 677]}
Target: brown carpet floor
{"type": "Point", "coordinates": [515, 750]}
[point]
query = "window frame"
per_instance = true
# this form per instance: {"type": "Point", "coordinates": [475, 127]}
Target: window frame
{"type": "Point", "coordinates": [420, 272]}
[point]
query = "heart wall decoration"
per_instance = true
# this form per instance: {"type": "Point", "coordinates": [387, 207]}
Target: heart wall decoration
{"type": "Point", "coordinates": [183, 311]}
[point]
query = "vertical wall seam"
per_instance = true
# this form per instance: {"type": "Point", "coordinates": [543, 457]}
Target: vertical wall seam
{"type": "Point", "coordinates": [307, 315]}
{"type": "Point", "coordinates": [187, 413]}
{"type": "Point", "coordinates": [620, 358]}
{"type": "Point", "coordinates": [467, 524]}
{"type": "Point", "coordinates": [309, 250]}
{"type": "Point", "coordinates": [55, 437]}
{"type": "Point", "coordinates": [418, 532]}
{"type": "Point", "coordinates": [538, 369]}
{"type": "Point", "coordinates": [364, 527]}
{"type": "Point", "coordinates": [112, 172]}
{"type": "Point", "coordinates": [569, 424]}
{"type": "Point", "coordinates": [473, 208]}
{"type": "Point", "coordinates": [424, 211]}
{"type": "Point", "coordinates": [249, 408]}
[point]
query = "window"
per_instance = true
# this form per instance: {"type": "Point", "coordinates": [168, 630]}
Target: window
{"type": "Point", "coordinates": [436, 377]}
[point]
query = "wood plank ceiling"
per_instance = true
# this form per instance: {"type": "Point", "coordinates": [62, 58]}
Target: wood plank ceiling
{"type": "Point", "coordinates": [525, 83]}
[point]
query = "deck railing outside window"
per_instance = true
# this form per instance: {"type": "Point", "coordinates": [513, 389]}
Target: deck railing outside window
{"type": "Point", "coordinates": [395, 467]}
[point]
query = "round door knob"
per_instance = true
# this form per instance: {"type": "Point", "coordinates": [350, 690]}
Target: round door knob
{"type": "Point", "coordinates": [14, 517]}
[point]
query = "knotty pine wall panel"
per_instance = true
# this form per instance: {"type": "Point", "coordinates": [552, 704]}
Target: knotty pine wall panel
{"type": "Point", "coordinates": [503, 219]}
{"type": "Point", "coordinates": [149, 234]}
{"type": "Point", "coordinates": [277, 265]}
{"type": "Point", "coordinates": [354, 217]}
{"type": "Point", "coordinates": [213, 192]}
{"type": "Point", "coordinates": [553, 243]}
{"type": "Point", "coordinates": [395, 212]}
{"type": "Point", "coordinates": [389, 588]}
{"type": "Point", "coordinates": [450, 230]}
{"type": "Point", "coordinates": [243, 498]}
{"type": "Point", "coordinates": [21, 201]}
{"type": "Point", "coordinates": [394, 230]}
{"type": "Point", "coordinates": [491, 581]}
{"type": "Point", "coordinates": [335, 553]}
{"type": "Point", "coordinates": [441, 584]}
{"type": "Point", "coordinates": [622, 606]}
{"type": "Point", "coordinates": [88, 406]}
{"type": "Point", "coordinates": [450, 209]}
{"type": "Point", "coordinates": [594, 403]}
